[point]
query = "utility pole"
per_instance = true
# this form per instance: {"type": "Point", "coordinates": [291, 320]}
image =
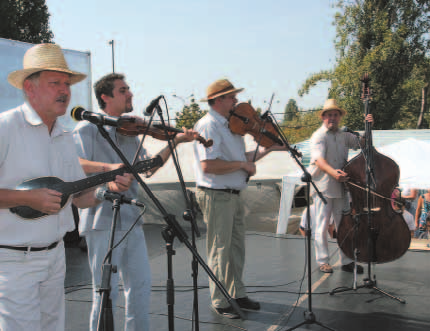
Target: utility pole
{"type": "Point", "coordinates": [113, 55]}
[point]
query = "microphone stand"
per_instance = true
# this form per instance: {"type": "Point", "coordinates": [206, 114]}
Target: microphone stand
{"type": "Point", "coordinates": [309, 316]}
{"type": "Point", "coordinates": [188, 215]}
{"type": "Point", "coordinates": [173, 229]}
{"type": "Point", "coordinates": [105, 321]}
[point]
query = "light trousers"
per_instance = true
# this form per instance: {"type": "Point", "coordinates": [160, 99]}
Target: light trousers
{"type": "Point", "coordinates": [32, 290]}
{"type": "Point", "coordinates": [131, 259]}
{"type": "Point", "coordinates": [223, 214]}
{"type": "Point", "coordinates": [323, 214]}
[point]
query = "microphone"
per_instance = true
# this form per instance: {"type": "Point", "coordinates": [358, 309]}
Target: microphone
{"type": "Point", "coordinates": [154, 103]}
{"type": "Point", "coordinates": [78, 113]}
{"type": "Point", "coordinates": [346, 129]}
{"type": "Point", "coordinates": [103, 194]}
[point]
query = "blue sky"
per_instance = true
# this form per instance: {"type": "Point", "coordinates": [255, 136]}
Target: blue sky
{"type": "Point", "coordinates": [179, 47]}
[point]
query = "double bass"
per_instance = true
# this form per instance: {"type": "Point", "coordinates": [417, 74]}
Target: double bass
{"type": "Point", "coordinates": [371, 230]}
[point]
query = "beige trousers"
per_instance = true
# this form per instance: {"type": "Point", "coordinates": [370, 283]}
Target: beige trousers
{"type": "Point", "coordinates": [223, 214]}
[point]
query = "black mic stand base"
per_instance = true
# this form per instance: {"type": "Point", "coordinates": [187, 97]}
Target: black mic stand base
{"type": "Point", "coordinates": [308, 315]}
{"type": "Point", "coordinates": [310, 319]}
{"type": "Point", "coordinates": [370, 284]}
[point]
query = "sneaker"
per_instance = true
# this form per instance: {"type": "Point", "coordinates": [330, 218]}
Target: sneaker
{"type": "Point", "coordinates": [350, 268]}
{"type": "Point", "coordinates": [326, 268]}
{"type": "Point", "coordinates": [228, 312]}
{"type": "Point", "coordinates": [247, 303]}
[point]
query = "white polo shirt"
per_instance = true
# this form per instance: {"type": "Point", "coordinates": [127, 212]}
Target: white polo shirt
{"type": "Point", "coordinates": [28, 151]}
{"type": "Point", "coordinates": [226, 146]}
{"type": "Point", "coordinates": [333, 147]}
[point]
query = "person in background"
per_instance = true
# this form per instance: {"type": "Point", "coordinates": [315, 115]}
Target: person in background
{"type": "Point", "coordinates": [221, 174]}
{"type": "Point", "coordinates": [329, 153]}
{"type": "Point", "coordinates": [399, 206]}
{"type": "Point", "coordinates": [33, 144]}
{"type": "Point", "coordinates": [131, 258]}
{"type": "Point", "coordinates": [422, 214]}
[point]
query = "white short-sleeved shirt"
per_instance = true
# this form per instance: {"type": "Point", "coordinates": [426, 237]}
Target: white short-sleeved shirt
{"type": "Point", "coordinates": [333, 147]}
{"type": "Point", "coordinates": [28, 151]}
{"type": "Point", "coordinates": [91, 146]}
{"type": "Point", "coordinates": [226, 146]}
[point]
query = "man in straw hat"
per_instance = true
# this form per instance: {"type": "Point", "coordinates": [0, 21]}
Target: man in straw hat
{"type": "Point", "coordinates": [221, 173]}
{"type": "Point", "coordinates": [34, 144]}
{"type": "Point", "coordinates": [131, 258]}
{"type": "Point", "coordinates": [329, 153]}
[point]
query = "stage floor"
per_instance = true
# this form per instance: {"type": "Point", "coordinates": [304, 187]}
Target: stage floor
{"type": "Point", "coordinates": [275, 275]}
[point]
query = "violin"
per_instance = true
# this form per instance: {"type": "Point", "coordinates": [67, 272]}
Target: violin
{"type": "Point", "coordinates": [244, 119]}
{"type": "Point", "coordinates": [134, 126]}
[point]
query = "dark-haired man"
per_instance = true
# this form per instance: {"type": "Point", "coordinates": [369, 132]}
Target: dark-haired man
{"type": "Point", "coordinates": [115, 98]}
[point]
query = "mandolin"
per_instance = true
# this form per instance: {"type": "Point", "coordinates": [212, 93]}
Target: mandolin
{"type": "Point", "coordinates": [69, 188]}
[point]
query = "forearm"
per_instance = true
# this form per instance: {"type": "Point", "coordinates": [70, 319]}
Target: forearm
{"type": "Point", "coordinates": [327, 168]}
{"type": "Point", "coordinates": [91, 167]}
{"type": "Point", "coordinates": [221, 167]}
{"type": "Point", "coordinates": [86, 199]}
{"type": "Point", "coordinates": [14, 198]}
{"type": "Point", "coordinates": [259, 155]}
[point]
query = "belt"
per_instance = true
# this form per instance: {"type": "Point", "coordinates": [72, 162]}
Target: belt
{"type": "Point", "coordinates": [228, 190]}
{"type": "Point", "coordinates": [31, 249]}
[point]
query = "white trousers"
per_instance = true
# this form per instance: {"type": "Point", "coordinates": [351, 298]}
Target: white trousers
{"type": "Point", "coordinates": [32, 290]}
{"type": "Point", "coordinates": [131, 259]}
{"type": "Point", "coordinates": [323, 214]}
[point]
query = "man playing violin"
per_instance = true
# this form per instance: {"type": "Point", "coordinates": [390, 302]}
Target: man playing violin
{"type": "Point", "coordinates": [329, 147]}
{"type": "Point", "coordinates": [33, 144]}
{"type": "Point", "coordinates": [96, 155]}
{"type": "Point", "coordinates": [221, 173]}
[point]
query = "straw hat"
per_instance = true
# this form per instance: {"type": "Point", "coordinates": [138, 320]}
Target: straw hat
{"type": "Point", "coordinates": [40, 58]}
{"type": "Point", "coordinates": [219, 88]}
{"type": "Point", "coordinates": [331, 104]}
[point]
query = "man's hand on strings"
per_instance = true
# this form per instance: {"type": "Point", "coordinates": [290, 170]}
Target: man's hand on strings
{"type": "Point", "coordinates": [341, 176]}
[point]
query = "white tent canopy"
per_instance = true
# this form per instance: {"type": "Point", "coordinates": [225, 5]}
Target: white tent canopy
{"type": "Point", "coordinates": [273, 166]}
{"type": "Point", "coordinates": [413, 159]}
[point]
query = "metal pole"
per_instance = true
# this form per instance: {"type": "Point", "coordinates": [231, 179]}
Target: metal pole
{"type": "Point", "coordinates": [113, 55]}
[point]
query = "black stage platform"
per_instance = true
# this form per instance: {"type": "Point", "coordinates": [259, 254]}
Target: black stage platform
{"type": "Point", "coordinates": [275, 276]}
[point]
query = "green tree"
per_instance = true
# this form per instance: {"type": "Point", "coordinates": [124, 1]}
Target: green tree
{"type": "Point", "coordinates": [25, 20]}
{"type": "Point", "coordinates": [302, 126]}
{"type": "Point", "coordinates": [291, 110]}
{"type": "Point", "coordinates": [189, 115]}
{"type": "Point", "coordinates": [389, 40]}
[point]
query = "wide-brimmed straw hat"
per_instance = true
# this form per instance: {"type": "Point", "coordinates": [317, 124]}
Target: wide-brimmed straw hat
{"type": "Point", "coordinates": [40, 58]}
{"type": "Point", "coordinates": [331, 104]}
{"type": "Point", "coordinates": [219, 88]}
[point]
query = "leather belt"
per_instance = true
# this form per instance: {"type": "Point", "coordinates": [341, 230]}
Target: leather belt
{"type": "Point", "coordinates": [228, 190]}
{"type": "Point", "coordinates": [30, 248]}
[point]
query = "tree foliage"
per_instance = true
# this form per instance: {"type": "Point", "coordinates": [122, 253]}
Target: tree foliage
{"type": "Point", "coordinates": [291, 110]}
{"type": "Point", "coordinates": [389, 40]}
{"type": "Point", "coordinates": [190, 115]}
{"type": "Point", "coordinates": [301, 126]}
{"type": "Point", "coordinates": [25, 20]}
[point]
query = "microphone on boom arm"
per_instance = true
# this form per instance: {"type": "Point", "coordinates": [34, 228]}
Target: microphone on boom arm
{"type": "Point", "coordinates": [154, 103]}
{"type": "Point", "coordinates": [78, 113]}
{"type": "Point", "coordinates": [103, 194]}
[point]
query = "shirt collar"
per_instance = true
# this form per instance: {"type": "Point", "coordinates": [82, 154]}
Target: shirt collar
{"type": "Point", "coordinates": [326, 130]}
{"type": "Point", "coordinates": [33, 118]}
{"type": "Point", "coordinates": [218, 117]}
